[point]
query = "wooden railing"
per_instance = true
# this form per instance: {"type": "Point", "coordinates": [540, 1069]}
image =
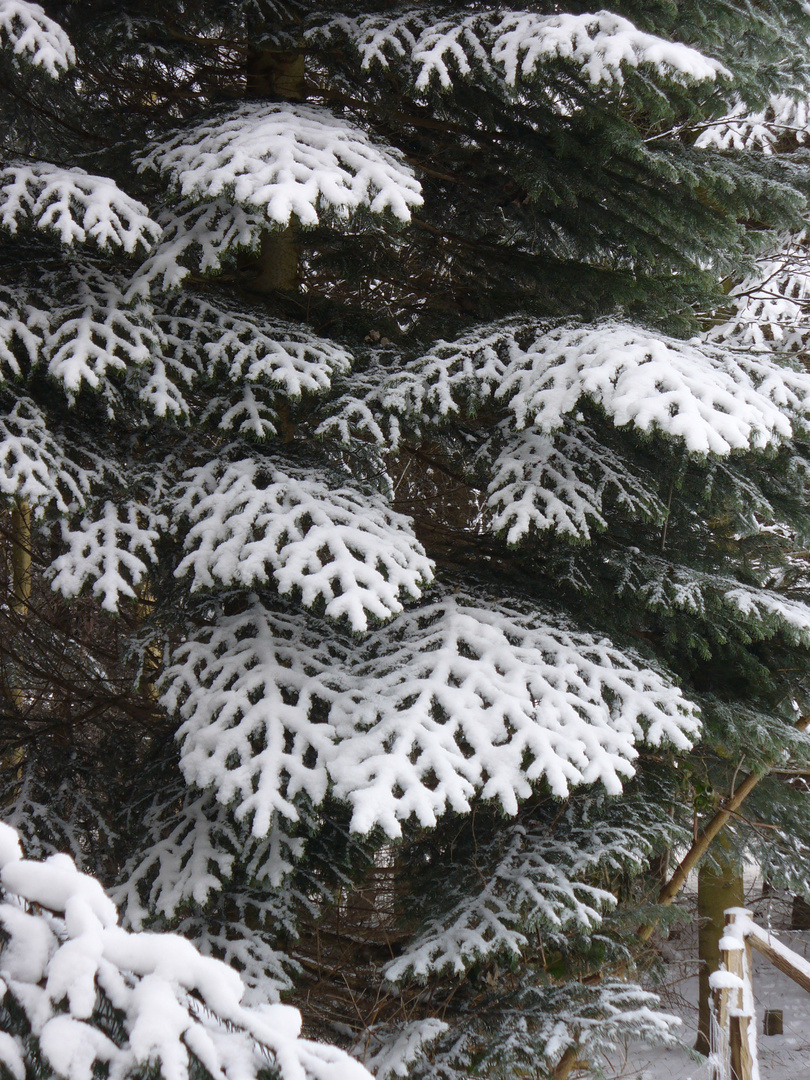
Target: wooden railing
{"type": "Point", "coordinates": [733, 1029]}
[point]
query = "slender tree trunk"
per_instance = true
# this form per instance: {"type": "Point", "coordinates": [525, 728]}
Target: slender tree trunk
{"type": "Point", "coordinates": [720, 886]}
{"type": "Point", "coordinates": [20, 582]}
{"type": "Point", "coordinates": [153, 658]}
{"type": "Point", "coordinates": [21, 558]}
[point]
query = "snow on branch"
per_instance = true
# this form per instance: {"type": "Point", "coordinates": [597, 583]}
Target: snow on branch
{"type": "Point", "coordinates": [75, 206]}
{"type": "Point", "coordinates": [534, 879]}
{"type": "Point", "coordinates": [113, 552]}
{"type": "Point", "coordinates": [515, 47]}
{"type": "Point", "coordinates": [770, 306]}
{"type": "Point", "coordinates": [603, 45]}
{"type": "Point", "coordinates": [727, 604]}
{"type": "Point", "coordinates": [713, 400]}
{"type": "Point", "coordinates": [358, 412]}
{"type": "Point", "coordinates": [35, 465]}
{"type": "Point", "coordinates": [195, 844]}
{"type": "Point", "coordinates": [248, 522]}
{"type": "Point", "coordinates": [538, 878]}
{"type": "Point", "coordinates": [199, 236]}
{"type": "Point", "coordinates": [88, 996]}
{"type": "Point", "coordinates": [286, 161]}
{"type": "Point", "coordinates": [35, 37]}
{"type": "Point", "coordinates": [452, 700]}
{"type": "Point", "coordinates": [457, 699]}
{"type": "Point", "coordinates": [563, 482]}
{"type": "Point", "coordinates": [741, 129]}
{"type": "Point", "coordinates": [391, 1050]}
{"type": "Point", "coordinates": [249, 346]}
{"type": "Point", "coordinates": [75, 322]}
{"type": "Point", "coordinates": [251, 691]}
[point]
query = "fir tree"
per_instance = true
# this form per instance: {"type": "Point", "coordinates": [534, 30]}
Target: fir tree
{"type": "Point", "coordinates": [394, 570]}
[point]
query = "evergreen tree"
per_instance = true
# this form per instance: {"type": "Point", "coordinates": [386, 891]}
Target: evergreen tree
{"type": "Point", "coordinates": [395, 574]}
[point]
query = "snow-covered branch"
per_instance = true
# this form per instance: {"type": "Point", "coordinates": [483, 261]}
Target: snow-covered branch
{"type": "Point", "coordinates": [89, 995]}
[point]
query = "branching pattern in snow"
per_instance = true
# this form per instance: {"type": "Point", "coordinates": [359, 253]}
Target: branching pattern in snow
{"type": "Point", "coordinates": [771, 305]}
{"type": "Point", "coordinates": [230, 931]}
{"type": "Point", "coordinates": [562, 482]}
{"type": "Point", "coordinates": [359, 412]}
{"type": "Point", "coordinates": [62, 951]}
{"type": "Point", "coordinates": [51, 818]}
{"type": "Point", "coordinates": [447, 702]}
{"type": "Point", "coordinates": [253, 692]}
{"type": "Point", "coordinates": [113, 552]}
{"type": "Point", "coordinates": [199, 236]}
{"type": "Point", "coordinates": [513, 47]}
{"type": "Point", "coordinates": [534, 879]}
{"type": "Point", "coordinates": [713, 401]}
{"type": "Point", "coordinates": [784, 116]}
{"type": "Point", "coordinates": [334, 547]}
{"type": "Point", "coordinates": [34, 37]}
{"type": "Point", "coordinates": [74, 321]}
{"type": "Point", "coordinates": [389, 1050]}
{"type": "Point", "coordinates": [539, 1023]}
{"type": "Point", "coordinates": [195, 845]}
{"type": "Point", "coordinates": [716, 599]}
{"type": "Point", "coordinates": [34, 465]}
{"type": "Point", "coordinates": [535, 876]}
{"type": "Point", "coordinates": [76, 207]}
{"type": "Point", "coordinates": [457, 699]}
{"type": "Point", "coordinates": [249, 346]}
{"type": "Point", "coordinates": [288, 161]}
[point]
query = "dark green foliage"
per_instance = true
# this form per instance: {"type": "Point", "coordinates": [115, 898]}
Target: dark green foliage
{"type": "Point", "coordinates": [393, 387]}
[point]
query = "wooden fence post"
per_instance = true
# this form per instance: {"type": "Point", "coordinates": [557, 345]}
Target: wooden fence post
{"type": "Point", "coordinates": [734, 1031]}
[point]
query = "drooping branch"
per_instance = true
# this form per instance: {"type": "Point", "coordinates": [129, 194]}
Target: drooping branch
{"type": "Point", "coordinates": [704, 839]}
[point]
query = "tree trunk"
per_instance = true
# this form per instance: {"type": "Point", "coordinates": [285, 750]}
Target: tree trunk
{"type": "Point", "coordinates": [719, 887]}
{"type": "Point", "coordinates": [12, 690]}
{"type": "Point", "coordinates": [273, 75]}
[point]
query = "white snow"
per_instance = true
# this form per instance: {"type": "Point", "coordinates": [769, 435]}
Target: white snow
{"type": "Point", "coordinates": [562, 482]}
{"type": "Point", "coordinates": [34, 465]}
{"type": "Point", "coordinates": [10, 849]}
{"type": "Point", "coordinates": [451, 700]}
{"type": "Point", "coordinates": [114, 552]}
{"type": "Point", "coordinates": [287, 161]}
{"type": "Point", "coordinates": [515, 46]}
{"type": "Point", "coordinates": [74, 205]}
{"type": "Point", "coordinates": [769, 308]}
{"type": "Point", "coordinates": [602, 45]}
{"type": "Point", "coordinates": [35, 37]}
{"type": "Point", "coordinates": [248, 522]}
{"type": "Point", "coordinates": [75, 321]}
{"type": "Point", "coordinates": [781, 1057]}
{"type": "Point", "coordinates": [387, 1054]}
{"type": "Point", "coordinates": [536, 877]}
{"type": "Point", "coordinates": [175, 1003]}
{"type": "Point", "coordinates": [251, 347]}
{"type": "Point", "coordinates": [714, 401]}
{"type": "Point", "coordinates": [746, 129]}
{"type": "Point", "coordinates": [200, 237]}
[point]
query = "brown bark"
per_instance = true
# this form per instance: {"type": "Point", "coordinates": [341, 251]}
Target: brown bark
{"type": "Point", "coordinates": [20, 582]}
{"type": "Point", "coordinates": [720, 886]}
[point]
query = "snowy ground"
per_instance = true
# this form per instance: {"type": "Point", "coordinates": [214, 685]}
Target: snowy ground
{"type": "Point", "coordinates": [781, 1057]}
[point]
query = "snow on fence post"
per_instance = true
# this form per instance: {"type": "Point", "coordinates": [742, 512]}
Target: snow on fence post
{"type": "Point", "coordinates": [733, 1029]}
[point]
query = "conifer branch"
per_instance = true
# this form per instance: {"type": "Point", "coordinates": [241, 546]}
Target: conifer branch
{"type": "Point", "coordinates": [704, 839]}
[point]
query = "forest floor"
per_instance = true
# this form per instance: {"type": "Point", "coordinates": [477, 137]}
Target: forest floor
{"type": "Point", "coordinates": [781, 1057]}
